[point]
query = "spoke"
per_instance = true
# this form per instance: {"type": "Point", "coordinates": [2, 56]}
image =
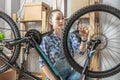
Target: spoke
{"type": "Point", "coordinates": [114, 47]}
{"type": "Point", "coordinates": [114, 50]}
{"type": "Point", "coordinates": [101, 21]}
{"type": "Point", "coordinates": [113, 34]}
{"type": "Point", "coordinates": [104, 21]}
{"type": "Point", "coordinates": [116, 37]}
{"type": "Point", "coordinates": [114, 41]}
{"type": "Point", "coordinates": [105, 60]}
{"type": "Point", "coordinates": [114, 54]}
{"type": "Point", "coordinates": [107, 29]}
{"type": "Point", "coordinates": [110, 54]}
{"type": "Point", "coordinates": [81, 59]}
{"type": "Point", "coordinates": [103, 63]}
{"type": "Point", "coordinates": [115, 27]}
{"type": "Point", "coordinates": [106, 24]}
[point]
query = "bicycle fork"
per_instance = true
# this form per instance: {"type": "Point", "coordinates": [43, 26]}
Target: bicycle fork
{"type": "Point", "coordinates": [88, 60]}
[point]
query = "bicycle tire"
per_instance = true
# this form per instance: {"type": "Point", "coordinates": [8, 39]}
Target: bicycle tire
{"type": "Point", "coordinates": [11, 28]}
{"type": "Point", "coordinates": [70, 22]}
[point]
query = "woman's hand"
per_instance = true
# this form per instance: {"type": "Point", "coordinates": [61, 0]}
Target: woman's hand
{"type": "Point", "coordinates": [83, 31]}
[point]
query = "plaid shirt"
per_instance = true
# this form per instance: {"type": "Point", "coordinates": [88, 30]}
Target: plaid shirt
{"type": "Point", "coordinates": [52, 46]}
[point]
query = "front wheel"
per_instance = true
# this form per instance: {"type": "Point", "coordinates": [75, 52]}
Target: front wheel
{"type": "Point", "coordinates": [103, 22]}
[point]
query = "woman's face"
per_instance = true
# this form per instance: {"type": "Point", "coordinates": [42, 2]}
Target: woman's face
{"type": "Point", "coordinates": [57, 20]}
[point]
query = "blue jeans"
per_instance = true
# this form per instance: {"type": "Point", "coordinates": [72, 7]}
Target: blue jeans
{"type": "Point", "coordinates": [73, 75]}
{"type": "Point", "coordinates": [65, 70]}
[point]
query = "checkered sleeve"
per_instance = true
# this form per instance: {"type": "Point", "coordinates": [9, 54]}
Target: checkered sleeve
{"type": "Point", "coordinates": [44, 47]}
{"type": "Point", "coordinates": [75, 44]}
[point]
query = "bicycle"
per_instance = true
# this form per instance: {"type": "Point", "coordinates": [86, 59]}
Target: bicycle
{"type": "Point", "coordinates": [33, 38]}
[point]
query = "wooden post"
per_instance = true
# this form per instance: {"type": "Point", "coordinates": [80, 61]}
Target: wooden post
{"type": "Point", "coordinates": [24, 28]}
{"type": "Point", "coordinates": [14, 16]}
{"type": "Point", "coordinates": [95, 62]}
{"type": "Point", "coordinates": [44, 21]}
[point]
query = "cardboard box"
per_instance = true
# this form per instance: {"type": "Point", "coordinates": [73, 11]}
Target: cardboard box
{"type": "Point", "coordinates": [8, 75]}
{"type": "Point", "coordinates": [33, 10]}
{"type": "Point", "coordinates": [77, 4]}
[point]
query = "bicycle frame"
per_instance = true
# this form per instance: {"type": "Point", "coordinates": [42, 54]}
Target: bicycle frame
{"type": "Point", "coordinates": [39, 51]}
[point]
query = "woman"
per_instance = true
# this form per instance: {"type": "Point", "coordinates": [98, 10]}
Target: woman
{"type": "Point", "coordinates": [51, 45]}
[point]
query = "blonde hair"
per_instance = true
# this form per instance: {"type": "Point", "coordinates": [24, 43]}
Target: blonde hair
{"type": "Point", "coordinates": [50, 27]}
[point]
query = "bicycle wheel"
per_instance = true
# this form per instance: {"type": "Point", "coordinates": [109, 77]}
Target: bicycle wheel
{"type": "Point", "coordinates": [10, 32]}
{"type": "Point", "coordinates": [104, 24]}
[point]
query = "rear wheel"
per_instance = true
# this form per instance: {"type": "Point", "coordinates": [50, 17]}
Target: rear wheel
{"type": "Point", "coordinates": [8, 31]}
{"type": "Point", "coordinates": [103, 24]}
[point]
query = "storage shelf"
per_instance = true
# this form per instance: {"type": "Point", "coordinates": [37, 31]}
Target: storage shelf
{"type": "Point", "coordinates": [24, 21]}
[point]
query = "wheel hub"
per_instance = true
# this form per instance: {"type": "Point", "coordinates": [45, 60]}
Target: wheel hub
{"type": "Point", "coordinates": [102, 38]}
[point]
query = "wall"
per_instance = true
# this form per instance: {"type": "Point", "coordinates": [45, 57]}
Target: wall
{"type": "Point", "coordinates": [2, 7]}
{"type": "Point", "coordinates": [15, 5]}
{"type": "Point", "coordinates": [114, 3]}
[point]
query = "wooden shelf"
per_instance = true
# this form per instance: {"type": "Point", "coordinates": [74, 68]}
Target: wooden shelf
{"type": "Point", "coordinates": [24, 21]}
